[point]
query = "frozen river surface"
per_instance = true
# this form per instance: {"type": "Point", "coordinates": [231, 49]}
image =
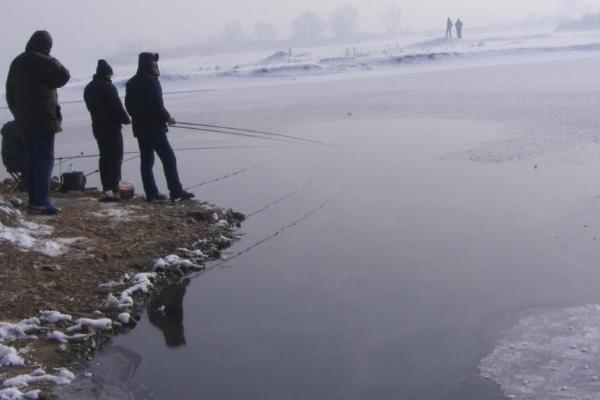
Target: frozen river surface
{"type": "Point", "coordinates": [459, 203]}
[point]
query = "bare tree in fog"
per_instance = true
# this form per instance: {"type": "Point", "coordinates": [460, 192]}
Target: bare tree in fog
{"type": "Point", "coordinates": [307, 27]}
{"type": "Point", "coordinates": [233, 34]}
{"type": "Point", "coordinates": [343, 22]}
{"type": "Point", "coordinates": [264, 33]}
{"type": "Point", "coordinates": [392, 18]}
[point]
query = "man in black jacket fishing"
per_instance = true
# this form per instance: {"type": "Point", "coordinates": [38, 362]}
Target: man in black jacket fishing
{"type": "Point", "coordinates": [32, 98]}
{"type": "Point", "coordinates": [144, 102]}
{"type": "Point", "coordinates": [108, 116]}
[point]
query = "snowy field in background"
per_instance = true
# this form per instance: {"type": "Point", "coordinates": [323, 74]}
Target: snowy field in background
{"type": "Point", "coordinates": [404, 55]}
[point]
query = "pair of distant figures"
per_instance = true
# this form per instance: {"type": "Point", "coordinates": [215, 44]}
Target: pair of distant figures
{"type": "Point", "coordinates": [450, 25]}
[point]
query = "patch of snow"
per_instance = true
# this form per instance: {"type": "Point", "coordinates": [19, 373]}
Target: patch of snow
{"type": "Point", "coordinates": [548, 356]}
{"type": "Point", "coordinates": [111, 284]}
{"type": "Point", "coordinates": [221, 223]}
{"type": "Point", "coordinates": [63, 377]}
{"type": "Point", "coordinates": [113, 212]}
{"type": "Point", "coordinates": [16, 394]}
{"type": "Point", "coordinates": [175, 262]}
{"type": "Point", "coordinates": [141, 282]}
{"type": "Point", "coordinates": [9, 332]}
{"type": "Point", "coordinates": [102, 324]}
{"type": "Point", "coordinates": [64, 338]}
{"type": "Point", "coordinates": [52, 317]}
{"type": "Point", "coordinates": [124, 318]}
{"type": "Point", "coordinates": [9, 357]}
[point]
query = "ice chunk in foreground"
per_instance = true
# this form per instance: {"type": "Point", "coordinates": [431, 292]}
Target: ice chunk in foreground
{"type": "Point", "coordinates": [548, 356]}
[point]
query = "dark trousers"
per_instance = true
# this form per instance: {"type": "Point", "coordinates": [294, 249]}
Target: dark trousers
{"type": "Point", "coordinates": [110, 146]}
{"type": "Point", "coordinates": [40, 162]}
{"type": "Point", "coordinates": [156, 141]}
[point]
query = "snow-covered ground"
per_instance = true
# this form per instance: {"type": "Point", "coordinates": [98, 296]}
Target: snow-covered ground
{"type": "Point", "coordinates": [405, 54]}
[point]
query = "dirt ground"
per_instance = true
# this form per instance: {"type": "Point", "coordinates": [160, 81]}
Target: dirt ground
{"type": "Point", "coordinates": [106, 241]}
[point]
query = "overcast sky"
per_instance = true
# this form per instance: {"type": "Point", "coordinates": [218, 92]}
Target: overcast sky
{"type": "Point", "coordinates": [83, 28]}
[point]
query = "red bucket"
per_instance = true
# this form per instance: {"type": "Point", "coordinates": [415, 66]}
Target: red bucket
{"type": "Point", "coordinates": [126, 190]}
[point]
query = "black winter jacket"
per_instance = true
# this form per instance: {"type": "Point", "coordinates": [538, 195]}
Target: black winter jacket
{"type": "Point", "coordinates": [31, 87]}
{"type": "Point", "coordinates": [144, 99]}
{"type": "Point", "coordinates": [107, 111]}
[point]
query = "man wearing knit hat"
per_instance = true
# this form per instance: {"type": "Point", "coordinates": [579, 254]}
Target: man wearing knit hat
{"type": "Point", "coordinates": [108, 116]}
{"type": "Point", "coordinates": [144, 101]}
{"type": "Point", "coordinates": [32, 98]}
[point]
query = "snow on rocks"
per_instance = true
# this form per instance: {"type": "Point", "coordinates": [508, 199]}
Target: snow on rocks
{"type": "Point", "coordinates": [174, 262]}
{"type": "Point", "coordinates": [9, 357]}
{"type": "Point", "coordinates": [16, 394]}
{"type": "Point", "coordinates": [63, 377]}
{"type": "Point", "coordinates": [9, 332]}
{"type": "Point", "coordinates": [102, 324]}
{"type": "Point", "coordinates": [124, 318]}
{"type": "Point", "coordinates": [141, 282]}
{"type": "Point", "coordinates": [548, 356]}
{"type": "Point", "coordinates": [63, 338]}
{"type": "Point", "coordinates": [52, 317]}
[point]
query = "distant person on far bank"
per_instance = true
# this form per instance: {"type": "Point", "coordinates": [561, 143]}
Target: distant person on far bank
{"type": "Point", "coordinates": [459, 28]}
{"type": "Point", "coordinates": [449, 26]}
{"type": "Point", "coordinates": [108, 116]}
{"type": "Point", "coordinates": [32, 98]}
{"type": "Point", "coordinates": [144, 102]}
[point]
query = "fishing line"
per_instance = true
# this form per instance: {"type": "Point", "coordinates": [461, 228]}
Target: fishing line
{"type": "Point", "coordinates": [238, 172]}
{"type": "Point", "coordinates": [279, 200]}
{"type": "Point", "coordinates": [256, 131]}
{"type": "Point", "coordinates": [229, 133]}
{"type": "Point", "coordinates": [274, 234]}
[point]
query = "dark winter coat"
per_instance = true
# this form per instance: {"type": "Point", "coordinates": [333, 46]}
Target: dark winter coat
{"type": "Point", "coordinates": [31, 87]}
{"type": "Point", "coordinates": [14, 156]}
{"type": "Point", "coordinates": [144, 99]}
{"type": "Point", "coordinates": [103, 102]}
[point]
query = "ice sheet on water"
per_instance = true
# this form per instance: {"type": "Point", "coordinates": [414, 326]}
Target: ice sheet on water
{"type": "Point", "coordinates": [551, 355]}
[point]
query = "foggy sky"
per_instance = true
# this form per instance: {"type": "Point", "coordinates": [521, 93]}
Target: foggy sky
{"type": "Point", "coordinates": [90, 29]}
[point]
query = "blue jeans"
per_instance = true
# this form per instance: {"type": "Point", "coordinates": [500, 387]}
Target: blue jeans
{"type": "Point", "coordinates": [156, 141]}
{"type": "Point", "coordinates": [40, 162]}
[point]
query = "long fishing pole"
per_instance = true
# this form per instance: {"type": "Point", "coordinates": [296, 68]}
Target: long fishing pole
{"type": "Point", "coordinates": [137, 153]}
{"type": "Point", "coordinates": [257, 131]}
{"type": "Point", "coordinates": [229, 133]}
{"type": "Point", "coordinates": [279, 200]}
{"type": "Point", "coordinates": [237, 172]}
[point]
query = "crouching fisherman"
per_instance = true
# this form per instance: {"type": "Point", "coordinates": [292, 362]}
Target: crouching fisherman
{"type": "Point", "coordinates": [144, 102]}
{"type": "Point", "coordinates": [108, 116]}
{"type": "Point", "coordinates": [32, 98]}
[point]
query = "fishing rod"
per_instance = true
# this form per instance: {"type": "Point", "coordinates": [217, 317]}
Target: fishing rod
{"type": "Point", "coordinates": [137, 153]}
{"type": "Point", "coordinates": [280, 199]}
{"type": "Point", "coordinates": [256, 131]}
{"type": "Point", "coordinates": [234, 173]}
{"type": "Point", "coordinates": [229, 133]}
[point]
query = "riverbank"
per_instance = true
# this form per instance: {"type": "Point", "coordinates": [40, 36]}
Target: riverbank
{"type": "Point", "coordinates": [72, 281]}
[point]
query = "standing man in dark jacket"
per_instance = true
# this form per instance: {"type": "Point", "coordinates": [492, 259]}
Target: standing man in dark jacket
{"type": "Point", "coordinates": [108, 116]}
{"type": "Point", "coordinates": [32, 98]}
{"type": "Point", "coordinates": [144, 102]}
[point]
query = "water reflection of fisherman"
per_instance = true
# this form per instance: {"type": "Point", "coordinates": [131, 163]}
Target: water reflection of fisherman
{"type": "Point", "coordinates": [166, 313]}
{"type": "Point", "coordinates": [449, 26]}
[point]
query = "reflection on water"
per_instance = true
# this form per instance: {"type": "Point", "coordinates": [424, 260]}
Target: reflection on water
{"type": "Point", "coordinates": [166, 313]}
